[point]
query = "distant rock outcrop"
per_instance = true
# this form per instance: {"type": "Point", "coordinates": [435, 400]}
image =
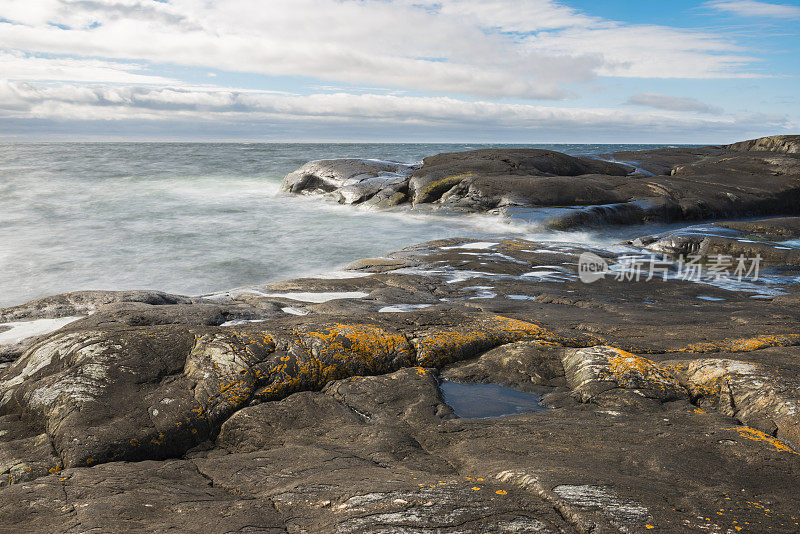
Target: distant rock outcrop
{"type": "Point", "coordinates": [661, 185]}
{"type": "Point", "coordinates": [785, 144]}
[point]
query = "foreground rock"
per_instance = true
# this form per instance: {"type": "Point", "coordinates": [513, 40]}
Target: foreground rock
{"type": "Point", "coordinates": [759, 177]}
{"type": "Point", "coordinates": [314, 404]}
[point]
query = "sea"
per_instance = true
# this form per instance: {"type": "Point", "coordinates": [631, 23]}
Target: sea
{"type": "Point", "coordinates": [195, 218]}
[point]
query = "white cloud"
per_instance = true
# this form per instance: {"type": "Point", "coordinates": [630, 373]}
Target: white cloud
{"type": "Point", "coordinates": [373, 63]}
{"type": "Point", "coordinates": [672, 103]}
{"type": "Point", "coordinates": [486, 48]}
{"type": "Point", "coordinates": [115, 103]}
{"type": "Point", "coordinates": [17, 65]}
{"type": "Point", "coordinates": [751, 8]}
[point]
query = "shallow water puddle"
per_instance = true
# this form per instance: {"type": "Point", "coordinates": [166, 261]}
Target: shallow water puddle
{"type": "Point", "coordinates": [318, 297]}
{"type": "Point", "coordinates": [479, 401]}
{"type": "Point", "coordinates": [17, 331]}
{"type": "Point", "coordinates": [403, 308]}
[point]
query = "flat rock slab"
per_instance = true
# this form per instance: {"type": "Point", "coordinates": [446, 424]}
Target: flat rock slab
{"type": "Point", "coordinates": [671, 402]}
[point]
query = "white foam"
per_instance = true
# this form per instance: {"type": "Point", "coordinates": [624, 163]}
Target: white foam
{"type": "Point", "coordinates": [25, 329]}
{"type": "Point", "coordinates": [340, 275]}
{"type": "Point", "coordinates": [712, 299]}
{"type": "Point", "coordinates": [477, 245]}
{"type": "Point", "coordinates": [318, 297]}
{"type": "Point", "coordinates": [403, 308]}
{"type": "Point", "coordinates": [493, 255]}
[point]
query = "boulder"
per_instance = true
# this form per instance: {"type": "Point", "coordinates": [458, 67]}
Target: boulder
{"type": "Point", "coordinates": [597, 373]}
{"type": "Point", "coordinates": [686, 244]}
{"type": "Point", "coordinates": [443, 172]}
{"type": "Point", "coordinates": [353, 180]}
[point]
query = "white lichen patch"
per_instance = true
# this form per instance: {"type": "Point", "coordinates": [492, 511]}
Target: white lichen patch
{"type": "Point", "coordinates": [78, 390]}
{"type": "Point", "coordinates": [618, 510]}
{"type": "Point", "coordinates": [41, 356]}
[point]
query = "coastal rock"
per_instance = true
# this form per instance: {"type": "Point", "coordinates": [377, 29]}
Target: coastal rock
{"type": "Point", "coordinates": [496, 167]}
{"type": "Point", "coordinates": [693, 244]}
{"type": "Point", "coordinates": [660, 185]}
{"type": "Point", "coordinates": [84, 303]}
{"type": "Point", "coordinates": [786, 144]}
{"type": "Point", "coordinates": [353, 180]}
{"type": "Point", "coordinates": [72, 386]}
{"type": "Point", "coordinates": [24, 455]}
{"type": "Point", "coordinates": [524, 365]}
{"type": "Point", "coordinates": [334, 421]}
{"type": "Point", "coordinates": [149, 497]}
{"type": "Point", "coordinates": [763, 399]}
{"type": "Point", "coordinates": [603, 374]}
{"type": "Point", "coordinates": [778, 228]}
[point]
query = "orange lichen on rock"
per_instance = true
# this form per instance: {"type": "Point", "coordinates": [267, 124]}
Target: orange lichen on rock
{"type": "Point", "coordinates": [596, 370]}
{"type": "Point", "coordinates": [745, 344]}
{"type": "Point", "coordinates": [439, 347]}
{"type": "Point", "coordinates": [705, 377]}
{"type": "Point", "coordinates": [757, 435]}
{"type": "Point", "coordinates": [629, 370]}
{"type": "Point", "coordinates": [335, 351]}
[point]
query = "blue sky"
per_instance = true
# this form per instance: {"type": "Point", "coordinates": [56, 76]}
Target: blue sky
{"type": "Point", "coordinates": [399, 70]}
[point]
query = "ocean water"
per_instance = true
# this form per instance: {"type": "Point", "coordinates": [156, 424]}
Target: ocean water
{"type": "Point", "coordinates": [196, 218]}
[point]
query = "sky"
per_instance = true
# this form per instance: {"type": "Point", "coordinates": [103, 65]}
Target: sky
{"type": "Point", "coordinates": [515, 71]}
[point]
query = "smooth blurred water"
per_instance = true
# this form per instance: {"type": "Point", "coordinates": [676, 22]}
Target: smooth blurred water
{"type": "Point", "coordinates": [196, 218]}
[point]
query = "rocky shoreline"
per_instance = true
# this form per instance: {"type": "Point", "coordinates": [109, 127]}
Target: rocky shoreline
{"type": "Point", "coordinates": [662, 185]}
{"type": "Point", "coordinates": [314, 405]}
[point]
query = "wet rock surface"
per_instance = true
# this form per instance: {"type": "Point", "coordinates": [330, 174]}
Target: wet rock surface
{"type": "Point", "coordinates": [752, 178]}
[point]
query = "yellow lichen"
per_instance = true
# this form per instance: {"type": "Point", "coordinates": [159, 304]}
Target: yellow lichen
{"type": "Point", "coordinates": [438, 347]}
{"type": "Point", "coordinates": [745, 344]}
{"type": "Point", "coordinates": [628, 370]}
{"type": "Point", "coordinates": [334, 351]}
{"type": "Point", "coordinates": [757, 435]}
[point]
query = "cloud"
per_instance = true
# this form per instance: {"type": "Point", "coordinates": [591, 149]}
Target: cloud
{"type": "Point", "coordinates": [69, 102]}
{"type": "Point", "coordinates": [672, 103]}
{"type": "Point", "coordinates": [751, 8]}
{"type": "Point", "coordinates": [467, 67]}
{"type": "Point", "coordinates": [17, 65]}
{"type": "Point", "coordinates": [529, 49]}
